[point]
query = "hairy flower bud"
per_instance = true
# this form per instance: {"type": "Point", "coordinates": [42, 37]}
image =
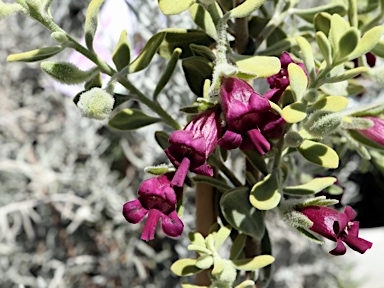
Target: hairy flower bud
{"type": "Point", "coordinates": [96, 104]}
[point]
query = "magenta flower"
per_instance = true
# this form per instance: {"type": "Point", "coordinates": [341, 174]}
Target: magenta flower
{"type": "Point", "coordinates": [157, 199]}
{"type": "Point", "coordinates": [337, 226]}
{"type": "Point", "coordinates": [376, 132]}
{"type": "Point", "coordinates": [191, 147]}
{"type": "Point", "coordinates": [280, 81]}
{"type": "Point", "coordinates": [249, 118]}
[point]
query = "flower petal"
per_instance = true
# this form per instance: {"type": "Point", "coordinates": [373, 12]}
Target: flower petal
{"type": "Point", "coordinates": [181, 172]}
{"type": "Point", "coordinates": [350, 213]}
{"type": "Point", "coordinates": [172, 225]}
{"type": "Point", "coordinates": [151, 224]}
{"type": "Point", "coordinates": [340, 248]}
{"type": "Point", "coordinates": [358, 244]}
{"type": "Point", "coordinates": [230, 140]}
{"type": "Point", "coordinates": [134, 212]}
{"type": "Point", "coordinates": [258, 140]}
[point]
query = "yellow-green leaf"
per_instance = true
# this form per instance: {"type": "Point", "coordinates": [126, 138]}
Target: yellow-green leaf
{"type": "Point", "coordinates": [265, 194]}
{"type": "Point", "coordinates": [203, 19]}
{"type": "Point", "coordinates": [347, 43]}
{"type": "Point", "coordinates": [253, 263]}
{"type": "Point", "coordinates": [121, 56]}
{"type": "Point", "coordinates": [307, 53]}
{"type": "Point", "coordinates": [185, 267]}
{"type": "Point", "coordinates": [262, 66]}
{"type": "Point", "coordinates": [172, 7]}
{"type": "Point", "coordinates": [91, 21]}
{"type": "Point", "coordinates": [294, 112]}
{"type": "Point", "coordinates": [314, 186]}
{"type": "Point", "coordinates": [331, 104]}
{"type": "Point", "coordinates": [167, 73]}
{"type": "Point", "coordinates": [367, 42]}
{"type": "Point", "coordinates": [319, 154]}
{"type": "Point", "coordinates": [325, 47]}
{"type": "Point", "coordinates": [339, 26]}
{"type": "Point", "coordinates": [36, 55]}
{"type": "Point", "coordinates": [146, 55]}
{"type": "Point", "coordinates": [298, 80]}
{"type": "Point", "coordinates": [245, 9]}
{"type": "Point", "coordinates": [332, 8]}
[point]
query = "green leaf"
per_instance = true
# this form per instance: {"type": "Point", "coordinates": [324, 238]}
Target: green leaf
{"type": "Point", "coordinates": [262, 66]}
{"type": "Point", "coordinates": [36, 55]}
{"type": "Point", "coordinates": [322, 123]}
{"type": "Point", "coordinates": [221, 236]}
{"type": "Point", "coordinates": [325, 47]}
{"type": "Point", "coordinates": [146, 55]}
{"type": "Point", "coordinates": [339, 26]}
{"type": "Point", "coordinates": [96, 81]}
{"type": "Point", "coordinates": [265, 194]}
{"type": "Point", "coordinates": [294, 112]}
{"type": "Point", "coordinates": [298, 80]}
{"type": "Point", "coordinates": [310, 236]}
{"type": "Point", "coordinates": [172, 7]}
{"type": "Point", "coordinates": [217, 183]}
{"type": "Point", "coordinates": [68, 73]}
{"type": "Point", "coordinates": [332, 8]}
{"type": "Point", "coordinates": [218, 265]}
{"type": "Point", "coordinates": [253, 263]}
{"type": "Point", "coordinates": [319, 154]}
{"type": "Point", "coordinates": [314, 186]}
{"type": "Point", "coordinates": [162, 139]}
{"type": "Point", "coordinates": [121, 56]}
{"type": "Point", "coordinates": [203, 51]}
{"type": "Point", "coordinates": [306, 50]}
{"type": "Point", "coordinates": [245, 9]}
{"type": "Point", "coordinates": [197, 70]}
{"type": "Point", "coordinates": [367, 42]}
{"type": "Point", "coordinates": [185, 267]}
{"type": "Point", "coordinates": [196, 238]}
{"type": "Point", "coordinates": [378, 50]}
{"type": "Point", "coordinates": [237, 246]}
{"type": "Point", "coordinates": [157, 170]}
{"type": "Point", "coordinates": [203, 19]}
{"type": "Point", "coordinates": [183, 38]}
{"type": "Point", "coordinates": [347, 44]}
{"type": "Point", "coordinates": [167, 73]}
{"type": "Point", "coordinates": [240, 214]}
{"type": "Point", "coordinates": [350, 74]}
{"type": "Point", "coordinates": [204, 262]}
{"type": "Point", "coordinates": [331, 104]}
{"type": "Point", "coordinates": [322, 22]}
{"type": "Point", "coordinates": [91, 21]}
{"type": "Point", "coordinates": [131, 119]}
{"type": "Point", "coordinates": [257, 161]}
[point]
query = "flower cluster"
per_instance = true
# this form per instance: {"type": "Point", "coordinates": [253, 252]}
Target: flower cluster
{"type": "Point", "coordinates": [157, 198]}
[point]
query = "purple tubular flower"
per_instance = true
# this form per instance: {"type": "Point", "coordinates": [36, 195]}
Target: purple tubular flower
{"type": "Point", "coordinates": [158, 199]}
{"type": "Point", "coordinates": [280, 81]}
{"type": "Point", "coordinates": [338, 227]}
{"type": "Point", "coordinates": [249, 117]}
{"type": "Point", "coordinates": [376, 132]}
{"type": "Point", "coordinates": [191, 147]}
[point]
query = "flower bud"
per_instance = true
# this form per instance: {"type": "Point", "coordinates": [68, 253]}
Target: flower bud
{"type": "Point", "coordinates": [322, 123]}
{"type": "Point", "coordinates": [59, 37]}
{"type": "Point", "coordinates": [311, 95]}
{"type": "Point", "coordinates": [96, 104]}
{"type": "Point", "coordinates": [293, 139]}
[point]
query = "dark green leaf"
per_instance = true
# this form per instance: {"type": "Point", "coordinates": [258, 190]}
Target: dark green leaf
{"type": "Point", "coordinates": [131, 119]}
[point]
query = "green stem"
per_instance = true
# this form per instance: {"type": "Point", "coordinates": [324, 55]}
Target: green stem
{"type": "Point", "coordinates": [106, 69]}
{"type": "Point", "coordinates": [154, 106]}
{"type": "Point", "coordinates": [226, 171]}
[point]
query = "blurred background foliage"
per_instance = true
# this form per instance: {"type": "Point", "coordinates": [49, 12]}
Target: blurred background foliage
{"type": "Point", "coordinates": [64, 179]}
